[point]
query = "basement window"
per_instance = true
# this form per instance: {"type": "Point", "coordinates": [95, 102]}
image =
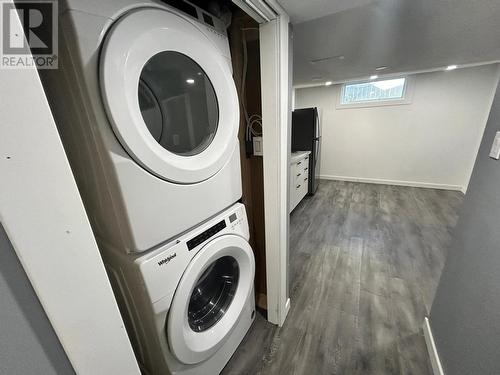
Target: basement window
{"type": "Point", "coordinates": [374, 93]}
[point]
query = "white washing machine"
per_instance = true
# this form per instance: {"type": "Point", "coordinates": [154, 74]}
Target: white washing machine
{"type": "Point", "coordinates": [189, 303]}
{"type": "Point", "coordinates": [146, 104]}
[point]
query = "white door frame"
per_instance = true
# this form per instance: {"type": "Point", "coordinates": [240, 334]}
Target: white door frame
{"type": "Point", "coordinates": [275, 87]}
{"type": "Point", "coordinates": [275, 135]}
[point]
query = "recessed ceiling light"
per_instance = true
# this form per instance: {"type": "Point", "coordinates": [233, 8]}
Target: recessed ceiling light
{"type": "Point", "coordinates": [451, 67]}
{"type": "Point", "coordinates": [328, 83]}
{"type": "Point", "coordinates": [381, 68]}
{"type": "Point", "coordinates": [190, 81]}
{"type": "Point", "coordinates": [374, 76]}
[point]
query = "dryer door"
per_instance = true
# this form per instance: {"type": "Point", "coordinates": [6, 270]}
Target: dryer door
{"type": "Point", "coordinates": [210, 298]}
{"type": "Point", "coordinates": [169, 95]}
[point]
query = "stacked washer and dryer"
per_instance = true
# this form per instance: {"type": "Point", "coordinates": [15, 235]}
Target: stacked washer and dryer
{"type": "Point", "coordinates": [148, 111]}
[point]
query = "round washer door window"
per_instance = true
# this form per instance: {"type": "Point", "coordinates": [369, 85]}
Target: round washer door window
{"type": "Point", "coordinates": [169, 95]}
{"type": "Point", "coordinates": [178, 103]}
{"type": "Point", "coordinates": [213, 293]}
{"type": "Point", "coordinates": [210, 298]}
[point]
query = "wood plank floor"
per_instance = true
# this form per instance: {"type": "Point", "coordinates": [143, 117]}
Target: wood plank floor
{"type": "Point", "coordinates": [365, 263]}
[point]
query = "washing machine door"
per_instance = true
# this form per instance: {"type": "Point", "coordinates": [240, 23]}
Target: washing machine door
{"type": "Point", "coordinates": [169, 95]}
{"type": "Point", "coordinates": [210, 298]}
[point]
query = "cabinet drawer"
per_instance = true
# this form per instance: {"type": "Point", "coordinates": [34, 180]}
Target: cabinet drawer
{"type": "Point", "coordinates": [301, 187]}
{"type": "Point", "coordinates": [305, 166]}
{"type": "Point", "coordinates": [299, 181]}
{"type": "Point", "coordinates": [298, 177]}
{"type": "Point", "coordinates": [302, 163]}
{"type": "Point", "coordinates": [304, 187]}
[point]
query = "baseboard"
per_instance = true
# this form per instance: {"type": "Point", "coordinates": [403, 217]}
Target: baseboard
{"type": "Point", "coordinates": [395, 182]}
{"type": "Point", "coordinates": [287, 307]}
{"type": "Point", "coordinates": [437, 368]}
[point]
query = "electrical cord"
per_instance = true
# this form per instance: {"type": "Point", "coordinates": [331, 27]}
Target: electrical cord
{"type": "Point", "coordinates": [252, 121]}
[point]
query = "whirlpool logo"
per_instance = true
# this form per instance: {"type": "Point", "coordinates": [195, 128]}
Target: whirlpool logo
{"type": "Point", "coordinates": [167, 259]}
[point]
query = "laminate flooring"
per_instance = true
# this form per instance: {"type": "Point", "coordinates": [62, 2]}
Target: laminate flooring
{"type": "Point", "coordinates": [365, 261]}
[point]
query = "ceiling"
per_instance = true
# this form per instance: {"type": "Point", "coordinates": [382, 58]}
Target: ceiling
{"type": "Point", "coordinates": [338, 40]}
{"type": "Point", "coordinates": [301, 11]}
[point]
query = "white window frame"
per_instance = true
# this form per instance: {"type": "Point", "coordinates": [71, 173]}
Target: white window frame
{"type": "Point", "coordinates": [405, 100]}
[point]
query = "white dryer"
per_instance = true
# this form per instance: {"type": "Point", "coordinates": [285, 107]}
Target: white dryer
{"type": "Point", "coordinates": [146, 104]}
{"type": "Point", "coordinates": [189, 303]}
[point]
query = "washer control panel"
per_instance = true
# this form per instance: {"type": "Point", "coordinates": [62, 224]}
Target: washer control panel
{"type": "Point", "coordinates": [162, 269]}
{"type": "Point", "coordinates": [202, 237]}
{"type": "Point", "coordinates": [237, 221]}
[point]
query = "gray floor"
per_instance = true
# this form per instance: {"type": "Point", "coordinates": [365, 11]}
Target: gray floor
{"type": "Point", "coordinates": [365, 262]}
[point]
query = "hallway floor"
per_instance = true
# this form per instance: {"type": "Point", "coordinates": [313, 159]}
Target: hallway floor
{"type": "Point", "coordinates": [365, 263]}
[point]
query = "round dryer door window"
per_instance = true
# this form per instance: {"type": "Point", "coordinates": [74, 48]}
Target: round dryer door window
{"type": "Point", "coordinates": [170, 96]}
{"type": "Point", "coordinates": [178, 103]}
{"type": "Point", "coordinates": [210, 298]}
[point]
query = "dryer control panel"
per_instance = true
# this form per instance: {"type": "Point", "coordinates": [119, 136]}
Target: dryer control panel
{"type": "Point", "coordinates": [213, 23]}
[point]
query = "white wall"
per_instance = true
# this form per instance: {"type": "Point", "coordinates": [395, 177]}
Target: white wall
{"type": "Point", "coordinates": [44, 218]}
{"type": "Point", "coordinates": [431, 142]}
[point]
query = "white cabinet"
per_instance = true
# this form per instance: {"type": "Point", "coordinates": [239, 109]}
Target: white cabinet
{"type": "Point", "coordinates": [299, 177]}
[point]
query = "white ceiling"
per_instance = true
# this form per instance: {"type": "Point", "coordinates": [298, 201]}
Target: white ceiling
{"type": "Point", "coordinates": [407, 35]}
{"type": "Point", "coordinates": [305, 10]}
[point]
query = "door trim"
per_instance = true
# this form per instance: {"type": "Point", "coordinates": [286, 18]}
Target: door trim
{"type": "Point", "coordinates": [276, 124]}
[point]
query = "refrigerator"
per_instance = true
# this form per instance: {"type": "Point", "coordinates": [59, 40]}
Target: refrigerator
{"type": "Point", "coordinates": [306, 136]}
